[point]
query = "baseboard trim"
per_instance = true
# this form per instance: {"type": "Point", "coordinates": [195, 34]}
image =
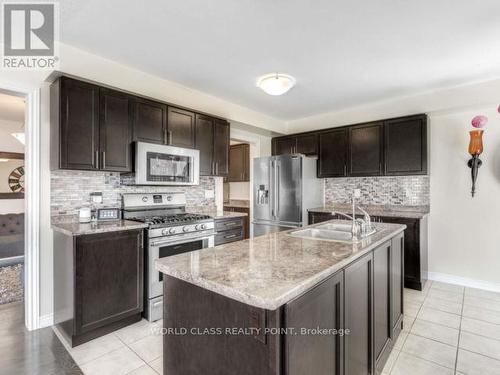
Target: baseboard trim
{"type": "Point", "coordinates": [46, 320]}
{"type": "Point", "coordinates": [464, 281]}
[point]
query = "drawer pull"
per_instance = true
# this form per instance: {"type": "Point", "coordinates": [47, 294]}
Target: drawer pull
{"type": "Point", "coordinates": [230, 236]}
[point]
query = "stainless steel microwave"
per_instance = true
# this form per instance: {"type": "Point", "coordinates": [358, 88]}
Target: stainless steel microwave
{"type": "Point", "coordinates": [166, 165]}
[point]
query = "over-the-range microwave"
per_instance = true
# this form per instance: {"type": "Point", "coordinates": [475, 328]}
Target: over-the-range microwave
{"type": "Point", "coordinates": [166, 165]}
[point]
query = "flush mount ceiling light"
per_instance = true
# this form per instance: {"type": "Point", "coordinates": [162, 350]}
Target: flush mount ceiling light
{"type": "Point", "coordinates": [276, 83]}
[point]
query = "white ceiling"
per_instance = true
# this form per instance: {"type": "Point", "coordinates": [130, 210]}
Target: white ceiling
{"type": "Point", "coordinates": [342, 53]}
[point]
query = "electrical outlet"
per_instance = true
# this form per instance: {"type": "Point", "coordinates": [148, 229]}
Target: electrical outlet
{"type": "Point", "coordinates": [209, 194]}
{"type": "Point", "coordinates": [96, 197]}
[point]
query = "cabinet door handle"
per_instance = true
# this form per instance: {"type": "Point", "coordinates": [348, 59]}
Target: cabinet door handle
{"type": "Point", "coordinates": [169, 133]}
{"type": "Point", "coordinates": [104, 160]}
{"type": "Point", "coordinates": [96, 160]}
{"type": "Point", "coordinates": [345, 169]}
{"type": "Point", "coordinates": [165, 136]}
{"type": "Point", "coordinates": [217, 168]}
{"type": "Point", "coordinates": [230, 236]}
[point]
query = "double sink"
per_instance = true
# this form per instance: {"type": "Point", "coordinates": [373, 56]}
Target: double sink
{"type": "Point", "coordinates": [337, 232]}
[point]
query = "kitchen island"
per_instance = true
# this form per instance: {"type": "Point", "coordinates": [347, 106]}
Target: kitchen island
{"type": "Point", "coordinates": [279, 304]}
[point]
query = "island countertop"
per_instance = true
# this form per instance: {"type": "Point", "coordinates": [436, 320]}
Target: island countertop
{"type": "Point", "coordinates": [270, 270]}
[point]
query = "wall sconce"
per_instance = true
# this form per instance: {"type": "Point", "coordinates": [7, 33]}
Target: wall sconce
{"type": "Point", "coordinates": [475, 149]}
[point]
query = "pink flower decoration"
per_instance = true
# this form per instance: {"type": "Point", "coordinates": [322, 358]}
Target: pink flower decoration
{"type": "Point", "coordinates": [499, 109]}
{"type": "Point", "coordinates": [479, 121]}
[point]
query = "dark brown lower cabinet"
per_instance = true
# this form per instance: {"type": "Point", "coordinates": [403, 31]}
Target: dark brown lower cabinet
{"type": "Point", "coordinates": [323, 306]}
{"type": "Point", "coordinates": [98, 283]}
{"type": "Point", "coordinates": [229, 229]}
{"type": "Point", "coordinates": [415, 248]}
{"type": "Point", "coordinates": [365, 298]}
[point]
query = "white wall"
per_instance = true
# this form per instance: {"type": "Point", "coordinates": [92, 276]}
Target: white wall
{"type": "Point", "coordinates": [239, 190]}
{"type": "Point", "coordinates": [457, 98]}
{"type": "Point", "coordinates": [6, 167]}
{"type": "Point", "coordinates": [11, 206]}
{"type": "Point", "coordinates": [464, 231]}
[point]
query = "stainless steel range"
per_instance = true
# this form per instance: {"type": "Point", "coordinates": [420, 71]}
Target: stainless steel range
{"type": "Point", "coordinates": [171, 231]}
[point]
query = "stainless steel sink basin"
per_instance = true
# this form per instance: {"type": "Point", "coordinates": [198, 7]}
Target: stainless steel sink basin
{"type": "Point", "coordinates": [335, 227]}
{"type": "Point", "coordinates": [324, 235]}
{"type": "Point", "coordinates": [330, 232]}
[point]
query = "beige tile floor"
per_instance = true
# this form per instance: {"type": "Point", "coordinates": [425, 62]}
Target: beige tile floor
{"type": "Point", "coordinates": [448, 329]}
{"type": "Point", "coordinates": [133, 350]}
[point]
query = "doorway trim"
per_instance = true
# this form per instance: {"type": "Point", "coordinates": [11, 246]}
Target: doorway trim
{"type": "Point", "coordinates": [254, 141]}
{"type": "Point", "coordinates": [31, 203]}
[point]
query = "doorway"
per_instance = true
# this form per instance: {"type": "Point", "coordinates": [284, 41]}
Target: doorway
{"type": "Point", "coordinates": [12, 189]}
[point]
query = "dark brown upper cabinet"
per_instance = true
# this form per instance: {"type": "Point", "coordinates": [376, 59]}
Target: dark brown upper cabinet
{"type": "Point", "coordinates": [74, 125]}
{"type": "Point", "coordinates": [115, 131]}
{"type": "Point", "coordinates": [332, 150]}
{"type": "Point", "coordinates": [205, 143]}
{"type": "Point", "coordinates": [93, 128]}
{"type": "Point", "coordinates": [285, 145]}
{"type": "Point", "coordinates": [239, 163]}
{"type": "Point", "coordinates": [366, 150]}
{"type": "Point", "coordinates": [181, 127]}
{"type": "Point", "coordinates": [406, 146]}
{"type": "Point", "coordinates": [212, 139]}
{"type": "Point", "coordinates": [149, 121]}
{"type": "Point", "coordinates": [221, 147]}
{"type": "Point", "coordinates": [306, 144]}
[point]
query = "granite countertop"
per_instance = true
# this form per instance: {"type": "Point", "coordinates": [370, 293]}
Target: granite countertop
{"type": "Point", "coordinates": [218, 214]}
{"type": "Point", "coordinates": [238, 203]}
{"type": "Point", "coordinates": [74, 228]}
{"type": "Point", "coordinates": [270, 270]}
{"type": "Point", "coordinates": [412, 212]}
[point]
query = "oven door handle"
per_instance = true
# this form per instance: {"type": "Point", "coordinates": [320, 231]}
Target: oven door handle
{"type": "Point", "coordinates": [159, 243]}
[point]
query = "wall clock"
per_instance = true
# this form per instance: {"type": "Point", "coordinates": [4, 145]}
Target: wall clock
{"type": "Point", "coordinates": [16, 180]}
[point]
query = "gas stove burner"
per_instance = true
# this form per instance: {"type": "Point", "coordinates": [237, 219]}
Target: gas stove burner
{"type": "Point", "coordinates": [172, 219]}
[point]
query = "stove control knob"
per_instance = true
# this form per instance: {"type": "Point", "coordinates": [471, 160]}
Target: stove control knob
{"type": "Point", "coordinates": [201, 227]}
{"type": "Point", "coordinates": [169, 198]}
{"type": "Point", "coordinates": [164, 232]}
{"type": "Point", "coordinates": [185, 229]}
{"type": "Point", "coordinates": [144, 198]}
{"type": "Point", "coordinates": [171, 231]}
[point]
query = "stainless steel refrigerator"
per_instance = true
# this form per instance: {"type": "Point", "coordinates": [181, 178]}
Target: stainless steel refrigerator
{"type": "Point", "coordinates": [284, 188]}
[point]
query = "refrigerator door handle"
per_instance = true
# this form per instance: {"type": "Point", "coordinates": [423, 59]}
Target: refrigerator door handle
{"type": "Point", "coordinates": [278, 189]}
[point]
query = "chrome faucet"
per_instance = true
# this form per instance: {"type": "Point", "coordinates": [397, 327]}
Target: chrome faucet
{"type": "Point", "coordinates": [367, 220]}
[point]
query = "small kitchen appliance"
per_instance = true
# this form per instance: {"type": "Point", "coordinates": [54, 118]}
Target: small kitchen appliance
{"type": "Point", "coordinates": [166, 165]}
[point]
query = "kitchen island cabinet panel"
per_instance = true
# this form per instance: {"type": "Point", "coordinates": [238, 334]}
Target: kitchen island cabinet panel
{"type": "Point", "coordinates": [359, 317]}
{"type": "Point", "coordinates": [382, 258]}
{"type": "Point", "coordinates": [323, 307]}
{"type": "Point", "coordinates": [288, 324]}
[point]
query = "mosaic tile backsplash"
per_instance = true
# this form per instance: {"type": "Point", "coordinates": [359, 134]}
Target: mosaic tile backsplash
{"type": "Point", "coordinates": [400, 190]}
{"type": "Point", "coordinates": [70, 190]}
